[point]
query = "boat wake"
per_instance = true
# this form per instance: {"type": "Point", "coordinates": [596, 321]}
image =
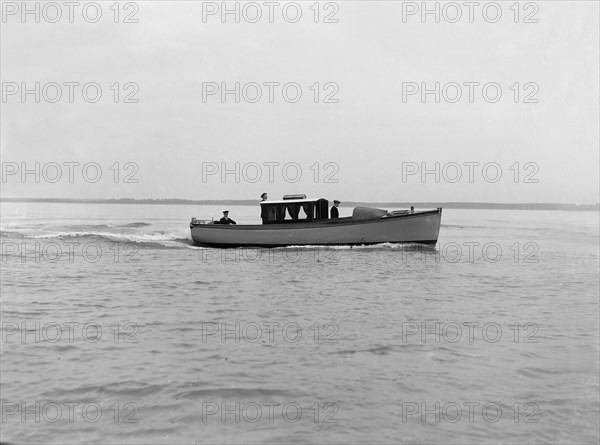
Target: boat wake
{"type": "Point", "coordinates": [152, 239]}
{"type": "Point", "coordinates": [107, 233]}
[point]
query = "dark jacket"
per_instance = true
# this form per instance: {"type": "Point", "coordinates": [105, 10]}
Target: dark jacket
{"type": "Point", "coordinates": [334, 212]}
{"type": "Point", "coordinates": [226, 221]}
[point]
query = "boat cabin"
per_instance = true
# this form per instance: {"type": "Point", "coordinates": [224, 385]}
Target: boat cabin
{"type": "Point", "coordinates": [294, 208]}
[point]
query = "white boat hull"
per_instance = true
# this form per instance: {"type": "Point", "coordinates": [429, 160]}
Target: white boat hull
{"type": "Point", "coordinates": [420, 227]}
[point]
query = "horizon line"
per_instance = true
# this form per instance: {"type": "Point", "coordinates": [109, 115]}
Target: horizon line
{"type": "Point", "coordinates": [185, 201]}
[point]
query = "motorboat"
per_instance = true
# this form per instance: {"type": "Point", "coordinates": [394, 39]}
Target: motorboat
{"type": "Point", "coordinates": [298, 221]}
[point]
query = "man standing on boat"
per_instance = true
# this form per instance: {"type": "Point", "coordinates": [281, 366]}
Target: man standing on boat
{"type": "Point", "coordinates": [263, 211]}
{"type": "Point", "coordinates": [334, 211]}
{"type": "Point", "coordinates": [225, 219]}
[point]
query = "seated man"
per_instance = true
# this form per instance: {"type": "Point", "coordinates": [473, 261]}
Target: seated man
{"type": "Point", "coordinates": [225, 219]}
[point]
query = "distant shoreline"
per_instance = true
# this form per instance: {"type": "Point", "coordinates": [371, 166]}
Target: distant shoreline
{"type": "Point", "coordinates": [251, 202]}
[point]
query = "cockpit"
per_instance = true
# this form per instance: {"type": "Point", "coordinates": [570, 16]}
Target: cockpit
{"type": "Point", "coordinates": [294, 208]}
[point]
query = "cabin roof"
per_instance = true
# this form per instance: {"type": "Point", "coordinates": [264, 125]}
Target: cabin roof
{"type": "Point", "coordinates": [290, 201]}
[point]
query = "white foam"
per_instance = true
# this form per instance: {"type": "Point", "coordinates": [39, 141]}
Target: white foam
{"type": "Point", "coordinates": [165, 238]}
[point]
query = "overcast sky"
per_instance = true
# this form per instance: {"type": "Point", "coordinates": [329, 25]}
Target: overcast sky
{"type": "Point", "coordinates": [368, 136]}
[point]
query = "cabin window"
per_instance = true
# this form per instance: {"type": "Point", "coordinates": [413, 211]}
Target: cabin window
{"type": "Point", "coordinates": [295, 211]}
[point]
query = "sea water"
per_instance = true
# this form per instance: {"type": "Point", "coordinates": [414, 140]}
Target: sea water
{"type": "Point", "coordinates": [117, 329]}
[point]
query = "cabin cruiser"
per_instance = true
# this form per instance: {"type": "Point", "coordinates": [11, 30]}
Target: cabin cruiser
{"type": "Point", "coordinates": [298, 221]}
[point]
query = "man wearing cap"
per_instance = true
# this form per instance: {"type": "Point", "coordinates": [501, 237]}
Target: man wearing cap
{"type": "Point", "coordinates": [263, 210]}
{"type": "Point", "coordinates": [225, 219]}
{"type": "Point", "coordinates": [334, 211]}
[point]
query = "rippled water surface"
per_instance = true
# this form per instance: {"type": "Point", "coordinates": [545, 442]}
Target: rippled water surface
{"type": "Point", "coordinates": [122, 331]}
